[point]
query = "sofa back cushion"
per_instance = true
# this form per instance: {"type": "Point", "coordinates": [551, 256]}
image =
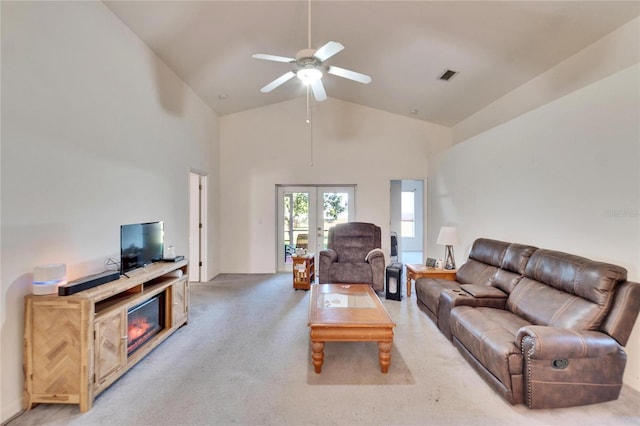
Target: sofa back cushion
{"type": "Point", "coordinates": [484, 260]}
{"type": "Point", "coordinates": [512, 268]}
{"type": "Point", "coordinates": [563, 290]}
{"type": "Point", "coordinates": [474, 272]}
{"type": "Point", "coordinates": [488, 251]}
{"type": "Point", "coordinates": [352, 241]}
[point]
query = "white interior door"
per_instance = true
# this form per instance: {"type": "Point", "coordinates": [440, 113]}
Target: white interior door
{"type": "Point", "coordinates": [197, 227]}
{"type": "Point", "coordinates": [305, 214]}
{"type": "Point", "coordinates": [407, 219]}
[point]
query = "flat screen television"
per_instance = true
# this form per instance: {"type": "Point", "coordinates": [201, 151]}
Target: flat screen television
{"type": "Point", "coordinates": [140, 245]}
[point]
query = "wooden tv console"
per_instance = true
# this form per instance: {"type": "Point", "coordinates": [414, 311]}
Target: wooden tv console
{"type": "Point", "coordinates": [76, 346]}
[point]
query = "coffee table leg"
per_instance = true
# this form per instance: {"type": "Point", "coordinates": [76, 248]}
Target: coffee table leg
{"type": "Point", "coordinates": [408, 284]}
{"type": "Point", "coordinates": [317, 355]}
{"type": "Point", "coordinates": [384, 355]}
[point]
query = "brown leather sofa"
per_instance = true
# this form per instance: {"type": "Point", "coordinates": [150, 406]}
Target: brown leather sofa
{"type": "Point", "coordinates": [543, 328]}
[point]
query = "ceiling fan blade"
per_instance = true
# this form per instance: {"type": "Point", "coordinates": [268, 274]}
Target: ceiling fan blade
{"type": "Point", "coordinates": [318, 91]}
{"type": "Point", "coordinates": [328, 50]}
{"type": "Point", "coordinates": [272, 57]}
{"type": "Point", "coordinates": [278, 81]}
{"type": "Point", "coordinates": [351, 75]}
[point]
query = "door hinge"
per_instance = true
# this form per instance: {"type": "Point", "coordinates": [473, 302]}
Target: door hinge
{"type": "Point", "coordinates": [199, 263]}
{"type": "Point", "coordinates": [200, 187]}
{"type": "Point", "coordinates": [200, 225]}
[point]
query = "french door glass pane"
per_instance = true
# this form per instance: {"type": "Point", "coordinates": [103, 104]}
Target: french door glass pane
{"type": "Point", "coordinates": [296, 222]}
{"type": "Point", "coordinates": [335, 208]}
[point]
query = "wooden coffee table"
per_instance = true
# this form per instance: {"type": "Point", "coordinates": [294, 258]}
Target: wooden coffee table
{"type": "Point", "coordinates": [415, 271]}
{"type": "Point", "coordinates": [348, 313]}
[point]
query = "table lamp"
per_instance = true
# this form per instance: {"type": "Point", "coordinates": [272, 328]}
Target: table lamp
{"type": "Point", "coordinates": [448, 237]}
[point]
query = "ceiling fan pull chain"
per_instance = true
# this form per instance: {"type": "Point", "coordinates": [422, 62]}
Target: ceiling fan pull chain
{"type": "Point", "coordinates": [308, 108]}
{"type": "Point", "coordinates": [310, 143]}
{"type": "Point", "coordinates": [309, 25]}
{"type": "Point", "coordinates": [310, 124]}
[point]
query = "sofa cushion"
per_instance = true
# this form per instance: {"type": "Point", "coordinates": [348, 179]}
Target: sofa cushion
{"type": "Point", "coordinates": [541, 304]}
{"type": "Point", "coordinates": [353, 249]}
{"type": "Point", "coordinates": [484, 260]}
{"type": "Point", "coordinates": [505, 280]}
{"type": "Point", "coordinates": [355, 273]}
{"type": "Point", "coordinates": [513, 264]}
{"type": "Point", "coordinates": [516, 257]}
{"type": "Point", "coordinates": [489, 335]}
{"type": "Point", "coordinates": [488, 251]}
{"type": "Point", "coordinates": [428, 291]}
{"type": "Point", "coordinates": [353, 240]}
{"type": "Point", "coordinates": [474, 272]}
{"type": "Point", "coordinates": [594, 281]}
{"type": "Point", "coordinates": [564, 290]}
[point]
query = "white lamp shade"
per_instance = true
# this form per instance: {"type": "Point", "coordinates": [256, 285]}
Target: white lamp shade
{"type": "Point", "coordinates": [448, 236]}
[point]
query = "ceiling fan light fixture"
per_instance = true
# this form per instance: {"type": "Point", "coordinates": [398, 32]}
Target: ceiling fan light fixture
{"type": "Point", "coordinates": [309, 75]}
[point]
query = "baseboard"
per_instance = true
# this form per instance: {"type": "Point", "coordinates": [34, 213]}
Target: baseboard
{"type": "Point", "coordinates": [11, 411]}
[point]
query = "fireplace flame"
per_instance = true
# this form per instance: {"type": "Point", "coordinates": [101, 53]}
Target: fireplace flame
{"type": "Point", "coordinates": [138, 328]}
{"type": "Point", "coordinates": [144, 322]}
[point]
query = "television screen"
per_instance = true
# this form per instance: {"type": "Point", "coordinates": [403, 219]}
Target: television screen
{"type": "Point", "coordinates": [140, 245]}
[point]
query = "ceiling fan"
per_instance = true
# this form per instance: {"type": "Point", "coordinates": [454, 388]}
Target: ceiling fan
{"type": "Point", "coordinates": [309, 67]}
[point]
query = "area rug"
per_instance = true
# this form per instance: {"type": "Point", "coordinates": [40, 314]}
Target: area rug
{"type": "Point", "coordinates": [356, 363]}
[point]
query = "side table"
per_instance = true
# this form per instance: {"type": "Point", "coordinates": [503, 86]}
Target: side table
{"type": "Point", "coordinates": [415, 271]}
{"type": "Point", "coordinates": [304, 271]}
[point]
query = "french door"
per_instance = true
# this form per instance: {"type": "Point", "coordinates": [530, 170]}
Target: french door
{"type": "Point", "coordinates": [305, 214]}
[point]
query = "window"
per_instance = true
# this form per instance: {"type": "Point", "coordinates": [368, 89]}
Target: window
{"type": "Point", "coordinates": [408, 214]}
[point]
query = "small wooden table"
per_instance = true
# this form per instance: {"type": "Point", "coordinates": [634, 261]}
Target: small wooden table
{"type": "Point", "coordinates": [348, 313]}
{"type": "Point", "coordinates": [304, 271]}
{"type": "Point", "coordinates": [415, 271]}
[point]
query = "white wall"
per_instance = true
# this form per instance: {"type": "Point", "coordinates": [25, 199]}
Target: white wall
{"type": "Point", "coordinates": [564, 176]}
{"type": "Point", "coordinates": [96, 132]}
{"type": "Point", "coordinates": [352, 144]}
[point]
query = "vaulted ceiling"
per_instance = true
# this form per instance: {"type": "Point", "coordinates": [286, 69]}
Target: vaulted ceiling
{"type": "Point", "coordinates": [403, 45]}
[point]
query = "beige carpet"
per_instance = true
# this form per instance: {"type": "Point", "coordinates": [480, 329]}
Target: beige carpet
{"type": "Point", "coordinates": [244, 359]}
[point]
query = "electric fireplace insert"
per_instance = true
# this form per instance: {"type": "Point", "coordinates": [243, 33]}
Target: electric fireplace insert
{"type": "Point", "coordinates": [145, 320]}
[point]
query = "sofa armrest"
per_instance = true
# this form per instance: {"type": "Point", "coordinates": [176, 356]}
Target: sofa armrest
{"type": "Point", "coordinates": [481, 291]}
{"type": "Point", "coordinates": [376, 259]}
{"type": "Point", "coordinates": [373, 255]}
{"type": "Point", "coordinates": [326, 258]}
{"type": "Point", "coordinates": [542, 342]}
{"type": "Point", "coordinates": [565, 368]}
{"type": "Point", "coordinates": [329, 254]}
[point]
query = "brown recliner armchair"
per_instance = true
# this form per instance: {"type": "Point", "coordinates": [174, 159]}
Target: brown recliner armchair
{"type": "Point", "coordinates": [353, 256]}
